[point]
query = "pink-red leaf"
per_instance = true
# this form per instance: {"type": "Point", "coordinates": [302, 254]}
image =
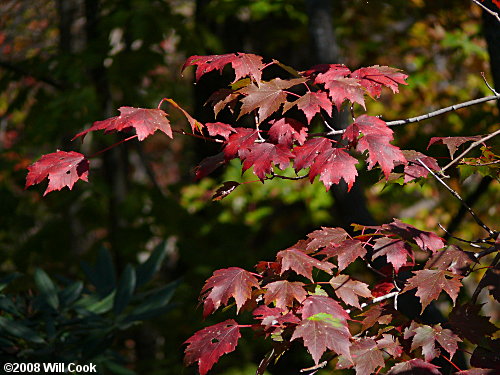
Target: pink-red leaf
{"type": "Point", "coordinates": [311, 103]}
{"type": "Point", "coordinates": [219, 128]}
{"type": "Point", "coordinates": [284, 292]}
{"type": "Point", "coordinates": [316, 304]}
{"type": "Point", "coordinates": [382, 152]}
{"type": "Point", "coordinates": [345, 88]}
{"type": "Point", "coordinates": [349, 290]}
{"type": "Point", "coordinates": [414, 367]}
{"type": "Point", "coordinates": [430, 284]}
{"type": "Point", "coordinates": [425, 336]}
{"type": "Point", "coordinates": [325, 237]}
{"type": "Point", "coordinates": [453, 143]}
{"type": "Point", "coordinates": [368, 125]}
{"type": "Point", "coordinates": [61, 168]}
{"type": "Point", "coordinates": [263, 156]}
{"type": "Point", "coordinates": [414, 169]}
{"type": "Point", "coordinates": [286, 130]}
{"type": "Point", "coordinates": [239, 142]}
{"type": "Point", "coordinates": [332, 166]}
{"type": "Point", "coordinates": [227, 283]}
{"type": "Point", "coordinates": [301, 263]}
{"type": "Point", "coordinates": [209, 344]}
{"type": "Point", "coordinates": [366, 355]}
{"type": "Point", "coordinates": [272, 316]}
{"type": "Point", "coordinates": [347, 252]}
{"type": "Point", "coordinates": [328, 72]}
{"type": "Point", "coordinates": [306, 154]}
{"type": "Point", "coordinates": [145, 121]}
{"type": "Point", "coordinates": [395, 250]}
{"type": "Point", "coordinates": [321, 332]}
{"type": "Point", "coordinates": [374, 77]}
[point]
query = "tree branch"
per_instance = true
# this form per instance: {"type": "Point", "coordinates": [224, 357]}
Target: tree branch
{"type": "Point", "coordinates": [17, 69]}
{"type": "Point", "coordinates": [494, 14]}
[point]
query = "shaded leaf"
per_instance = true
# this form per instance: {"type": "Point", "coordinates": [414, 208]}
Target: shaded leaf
{"type": "Point", "coordinates": [478, 327]}
{"type": "Point", "coordinates": [209, 164]}
{"type": "Point", "coordinates": [226, 189]}
{"type": "Point", "coordinates": [347, 252]}
{"type": "Point", "coordinates": [349, 290]}
{"type": "Point", "coordinates": [425, 336]}
{"type": "Point", "coordinates": [284, 292]}
{"type": "Point", "coordinates": [61, 168]}
{"type": "Point", "coordinates": [125, 289]}
{"type": "Point", "coordinates": [414, 169]}
{"type": "Point", "coordinates": [326, 237]}
{"type": "Point", "coordinates": [47, 288]}
{"type": "Point", "coordinates": [272, 316]}
{"type": "Point", "coordinates": [396, 251]}
{"type": "Point", "coordinates": [453, 259]}
{"type": "Point", "coordinates": [366, 356]}
{"type": "Point", "coordinates": [453, 143]}
{"type": "Point", "coordinates": [414, 367]}
{"type": "Point", "coordinates": [301, 263]}
{"type": "Point", "coordinates": [425, 240]}
{"type": "Point", "coordinates": [20, 330]}
{"type": "Point", "coordinates": [209, 344]}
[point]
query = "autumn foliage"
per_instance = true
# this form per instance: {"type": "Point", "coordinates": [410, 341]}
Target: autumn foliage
{"type": "Point", "coordinates": [305, 295]}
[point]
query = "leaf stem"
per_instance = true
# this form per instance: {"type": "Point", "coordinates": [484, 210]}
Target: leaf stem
{"type": "Point", "coordinates": [451, 362]}
{"type": "Point", "coordinates": [112, 146]}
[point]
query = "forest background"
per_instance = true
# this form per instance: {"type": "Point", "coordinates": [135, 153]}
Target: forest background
{"type": "Point", "coordinates": [66, 64]}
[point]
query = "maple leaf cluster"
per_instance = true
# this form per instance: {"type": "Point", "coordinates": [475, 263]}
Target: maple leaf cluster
{"type": "Point", "coordinates": [303, 296]}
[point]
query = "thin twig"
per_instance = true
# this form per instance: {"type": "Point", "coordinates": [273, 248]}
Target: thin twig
{"type": "Point", "coordinates": [474, 144]}
{"type": "Point", "coordinates": [183, 132]}
{"type": "Point", "coordinates": [494, 14]}
{"type": "Point", "coordinates": [377, 300]}
{"type": "Point", "coordinates": [481, 164]}
{"type": "Point", "coordinates": [273, 175]}
{"type": "Point", "coordinates": [488, 85]}
{"type": "Point", "coordinates": [481, 285]}
{"type": "Point", "coordinates": [471, 243]}
{"type": "Point", "coordinates": [477, 219]}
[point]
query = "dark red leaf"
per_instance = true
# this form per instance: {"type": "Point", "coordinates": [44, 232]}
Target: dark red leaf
{"type": "Point", "coordinates": [366, 356]}
{"type": "Point", "coordinates": [226, 189]}
{"type": "Point", "coordinates": [487, 356]}
{"type": "Point", "coordinates": [284, 292]}
{"type": "Point", "coordinates": [375, 314]}
{"type": "Point", "coordinates": [287, 130]}
{"type": "Point", "coordinates": [374, 77]}
{"type": "Point", "coordinates": [430, 284]}
{"type": "Point", "coordinates": [221, 98]}
{"type": "Point", "coordinates": [238, 143]}
{"type": "Point", "coordinates": [347, 252]}
{"type": "Point", "coordinates": [414, 367]}
{"type": "Point", "coordinates": [209, 344]}
{"type": "Point", "coordinates": [266, 98]}
{"type": "Point", "coordinates": [144, 121]}
{"type": "Point", "coordinates": [272, 316]}
{"type": "Point", "coordinates": [390, 345]}
{"type": "Point", "coordinates": [453, 259]}
{"type": "Point", "coordinates": [425, 240]}
{"type": "Point", "coordinates": [306, 155]}
{"type": "Point", "coordinates": [453, 142]}
{"type": "Point", "coordinates": [321, 332]}
{"type": "Point", "coordinates": [478, 327]}
{"type": "Point", "coordinates": [311, 103]}
{"type": "Point", "coordinates": [333, 165]}
{"type": "Point", "coordinates": [209, 164]}
{"type": "Point", "coordinates": [326, 237]}
{"type": "Point", "coordinates": [301, 263]}
{"type": "Point", "coordinates": [395, 250]}
{"type": "Point", "coordinates": [425, 336]}
{"type": "Point", "coordinates": [263, 156]}
{"type": "Point", "coordinates": [316, 304]}
{"type": "Point", "coordinates": [268, 267]}
{"type": "Point", "coordinates": [414, 169]}
{"type": "Point", "coordinates": [349, 290]}
{"type": "Point", "coordinates": [219, 128]}
{"type": "Point", "coordinates": [226, 283]}
{"type": "Point", "coordinates": [61, 168]}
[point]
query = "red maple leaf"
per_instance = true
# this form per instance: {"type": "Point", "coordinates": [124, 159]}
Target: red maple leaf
{"type": "Point", "coordinates": [341, 89]}
{"type": "Point", "coordinates": [306, 154]}
{"type": "Point", "coordinates": [272, 316]}
{"type": "Point", "coordinates": [311, 103]}
{"type": "Point", "coordinates": [219, 128]}
{"type": "Point", "coordinates": [453, 259]}
{"type": "Point", "coordinates": [453, 143]}
{"type": "Point", "coordinates": [244, 64]}
{"type": "Point", "coordinates": [425, 336]}
{"type": "Point", "coordinates": [145, 121]}
{"type": "Point", "coordinates": [221, 98]}
{"type": "Point", "coordinates": [349, 290]}
{"type": "Point", "coordinates": [382, 152]}
{"type": "Point", "coordinates": [478, 327]}
{"type": "Point", "coordinates": [316, 304]}
{"type": "Point", "coordinates": [395, 250]}
{"type": "Point", "coordinates": [375, 314]}
{"type": "Point", "coordinates": [430, 284]}
{"type": "Point", "coordinates": [425, 240]}
{"type": "Point", "coordinates": [301, 263]}
{"type": "Point", "coordinates": [321, 332]}
{"type": "Point", "coordinates": [287, 130]}
{"type": "Point", "coordinates": [263, 156]}
{"type": "Point", "coordinates": [332, 165]}
{"type": "Point", "coordinates": [209, 344]}
{"type": "Point", "coordinates": [414, 366]}
{"type": "Point", "coordinates": [266, 98]}
{"type": "Point", "coordinates": [368, 125]}
{"type": "Point", "coordinates": [61, 168]}
{"type": "Point", "coordinates": [414, 169]}
{"type": "Point", "coordinates": [284, 292]}
{"type": "Point", "coordinates": [347, 252]}
{"type": "Point", "coordinates": [366, 356]}
{"type": "Point", "coordinates": [374, 77]}
{"type": "Point", "coordinates": [226, 283]}
{"type": "Point", "coordinates": [239, 142]}
{"type": "Point", "coordinates": [325, 237]}
{"type": "Point", "coordinates": [209, 164]}
{"type": "Point", "coordinates": [328, 72]}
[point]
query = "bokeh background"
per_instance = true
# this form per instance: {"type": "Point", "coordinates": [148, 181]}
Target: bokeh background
{"type": "Point", "coordinates": [65, 64]}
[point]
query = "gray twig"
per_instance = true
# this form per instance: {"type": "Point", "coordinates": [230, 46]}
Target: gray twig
{"type": "Point", "coordinates": [494, 14]}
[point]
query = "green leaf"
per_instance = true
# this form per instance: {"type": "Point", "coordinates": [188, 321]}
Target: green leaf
{"type": "Point", "coordinates": [103, 274]}
{"type": "Point", "coordinates": [47, 288]}
{"type": "Point", "coordinates": [20, 330]}
{"type": "Point", "coordinates": [146, 270]}
{"type": "Point", "coordinates": [96, 305]}
{"type": "Point", "coordinates": [125, 289]}
{"type": "Point", "coordinates": [71, 293]}
{"type": "Point", "coordinates": [8, 306]}
{"type": "Point", "coordinates": [8, 279]}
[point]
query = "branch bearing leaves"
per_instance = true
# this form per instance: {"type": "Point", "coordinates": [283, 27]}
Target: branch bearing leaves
{"type": "Point", "coordinates": [284, 292]}
{"type": "Point", "coordinates": [266, 98]}
{"type": "Point", "coordinates": [239, 142]}
{"type": "Point", "coordinates": [321, 332]}
{"type": "Point", "coordinates": [301, 263]}
{"type": "Point", "coordinates": [322, 304]}
{"type": "Point", "coordinates": [209, 344]}
{"type": "Point", "coordinates": [425, 336]}
{"type": "Point", "coordinates": [262, 156]}
{"type": "Point", "coordinates": [333, 165]}
{"type": "Point", "coordinates": [453, 143]}
{"type": "Point", "coordinates": [61, 168]}
{"type": "Point", "coordinates": [306, 154]}
{"type": "Point", "coordinates": [453, 259]}
{"type": "Point", "coordinates": [286, 131]}
{"type": "Point", "coordinates": [311, 103]}
{"type": "Point", "coordinates": [348, 290]}
{"type": "Point", "coordinates": [219, 128]}
{"type": "Point", "coordinates": [430, 283]}
{"type": "Point", "coordinates": [226, 283]}
{"type": "Point", "coordinates": [243, 64]}
{"type": "Point", "coordinates": [326, 237]}
{"type": "Point", "coordinates": [145, 121]}
{"type": "Point", "coordinates": [372, 78]}
{"type": "Point", "coordinates": [346, 252]}
{"type": "Point", "coordinates": [395, 250]}
{"type": "Point", "coordinates": [478, 327]}
{"type": "Point", "coordinates": [425, 240]}
{"type": "Point", "coordinates": [414, 366]}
